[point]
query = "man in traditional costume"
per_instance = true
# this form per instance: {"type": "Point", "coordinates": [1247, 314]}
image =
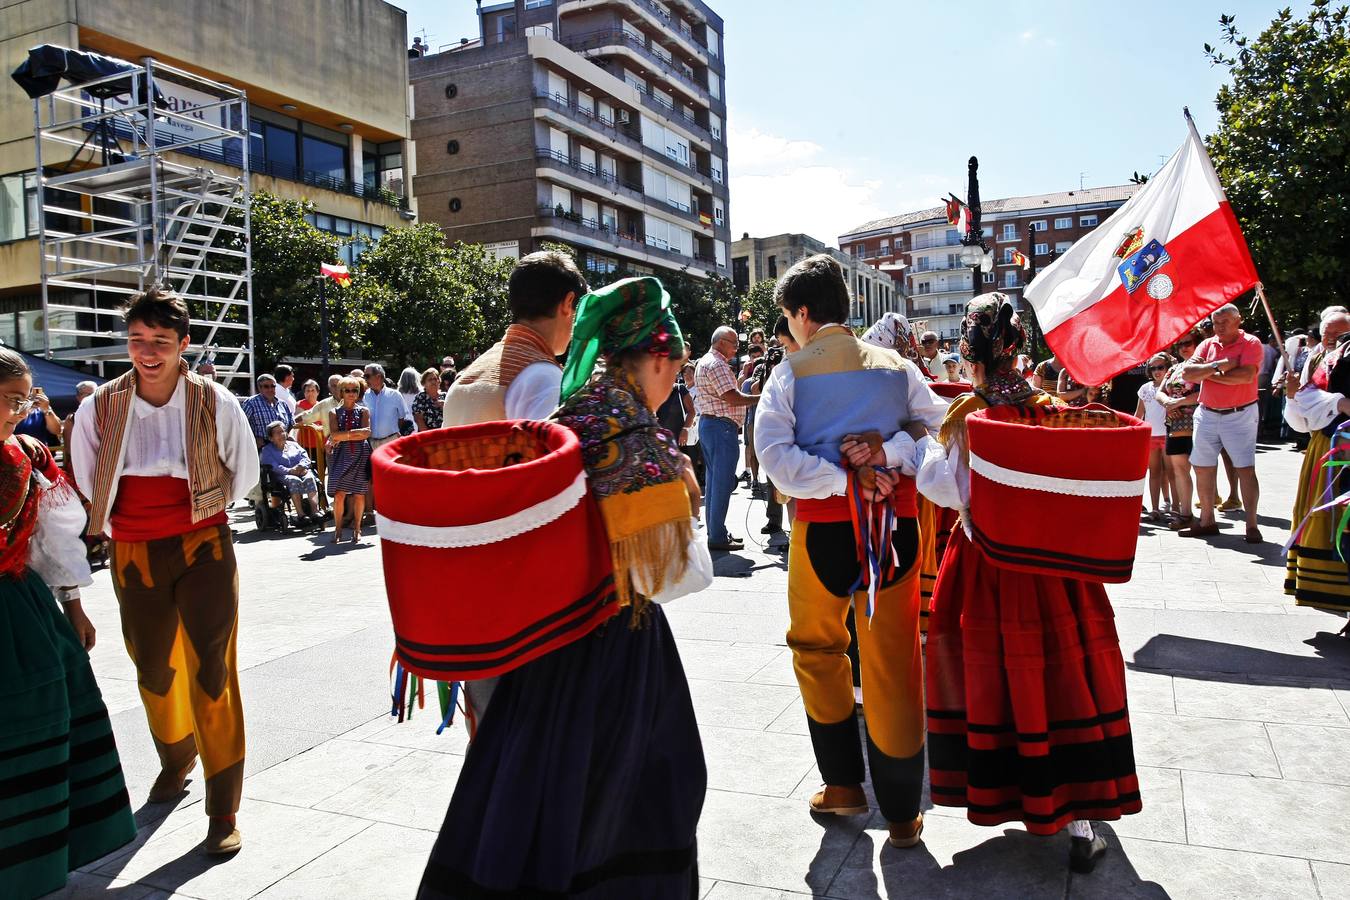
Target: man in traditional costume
{"type": "Point", "coordinates": [1318, 404]}
{"type": "Point", "coordinates": [836, 430]}
{"type": "Point", "coordinates": [63, 801]}
{"type": "Point", "coordinates": [1027, 717]}
{"type": "Point", "coordinates": [519, 377]}
{"type": "Point", "coordinates": [161, 452]}
{"type": "Point", "coordinates": [587, 781]}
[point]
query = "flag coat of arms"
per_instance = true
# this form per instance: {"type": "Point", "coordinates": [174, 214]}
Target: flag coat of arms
{"type": "Point", "coordinates": [1170, 256]}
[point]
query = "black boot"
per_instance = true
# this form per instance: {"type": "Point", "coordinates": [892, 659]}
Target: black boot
{"type": "Point", "coordinates": [1084, 853]}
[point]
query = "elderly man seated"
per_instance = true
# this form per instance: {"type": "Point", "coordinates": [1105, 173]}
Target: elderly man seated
{"type": "Point", "coordinates": [291, 466]}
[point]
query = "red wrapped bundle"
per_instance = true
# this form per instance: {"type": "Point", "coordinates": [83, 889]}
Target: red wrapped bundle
{"type": "Point", "coordinates": [1079, 472]}
{"type": "Point", "coordinates": [494, 551]}
{"type": "Point", "coordinates": [950, 390]}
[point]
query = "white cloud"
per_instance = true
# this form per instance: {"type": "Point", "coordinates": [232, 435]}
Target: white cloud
{"type": "Point", "coordinates": [1028, 35]}
{"type": "Point", "coordinates": [781, 184]}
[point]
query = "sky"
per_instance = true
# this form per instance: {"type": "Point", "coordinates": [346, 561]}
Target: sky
{"type": "Point", "coordinates": [847, 111]}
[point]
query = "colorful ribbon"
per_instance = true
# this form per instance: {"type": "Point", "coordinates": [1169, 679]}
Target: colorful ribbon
{"type": "Point", "coordinates": [873, 523]}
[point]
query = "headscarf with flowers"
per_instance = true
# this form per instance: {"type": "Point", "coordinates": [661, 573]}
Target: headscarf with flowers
{"type": "Point", "coordinates": [630, 314]}
{"type": "Point", "coordinates": [991, 333]}
{"type": "Point", "coordinates": [634, 466]}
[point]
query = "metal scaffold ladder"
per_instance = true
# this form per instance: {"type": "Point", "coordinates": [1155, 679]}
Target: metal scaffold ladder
{"type": "Point", "coordinates": [153, 193]}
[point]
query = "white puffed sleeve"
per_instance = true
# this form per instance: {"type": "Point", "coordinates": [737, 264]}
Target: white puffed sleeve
{"type": "Point", "coordinates": [943, 475]}
{"type": "Point", "coordinates": [57, 552]}
{"type": "Point", "coordinates": [1311, 408]}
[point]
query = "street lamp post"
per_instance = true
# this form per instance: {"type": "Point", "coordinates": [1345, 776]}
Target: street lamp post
{"type": "Point", "coordinates": [323, 323]}
{"type": "Point", "coordinates": [974, 251]}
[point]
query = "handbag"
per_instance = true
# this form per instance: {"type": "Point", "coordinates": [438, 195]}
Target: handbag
{"type": "Point", "coordinates": [698, 570]}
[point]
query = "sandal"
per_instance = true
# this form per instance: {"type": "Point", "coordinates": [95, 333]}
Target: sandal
{"type": "Point", "coordinates": [1180, 522]}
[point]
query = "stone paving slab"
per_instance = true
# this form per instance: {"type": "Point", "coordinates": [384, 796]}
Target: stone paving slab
{"type": "Point", "coordinates": [1240, 706]}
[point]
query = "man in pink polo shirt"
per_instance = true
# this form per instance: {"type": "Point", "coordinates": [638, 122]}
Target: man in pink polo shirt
{"type": "Point", "coordinates": [1226, 366]}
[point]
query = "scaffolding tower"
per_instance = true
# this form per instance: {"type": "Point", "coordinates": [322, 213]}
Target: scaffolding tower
{"type": "Point", "coordinates": [156, 190]}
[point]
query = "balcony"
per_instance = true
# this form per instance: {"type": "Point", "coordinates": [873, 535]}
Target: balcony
{"type": "Point", "coordinates": [573, 222]}
{"type": "Point", "coordinates": [626, 134]}
{"type": "Point", "coordinates": [658, 104]}
{"type": "Point", "coordinates": [937, 267]}
{"type": "Point", "coordinates": [574, 166]}
{"type": "Point", "coordinates": [929, 242]}
{"type": "Point", "coordinates": [917, 295]}
{"type": "Point", "coordinates": [260, 166]}
{"type": "Point", "coordinates": [598, 40]}
{"type": "Point", "coordinates": [659, 18]}
{"type": "Point", "coordinates": [683, 165]}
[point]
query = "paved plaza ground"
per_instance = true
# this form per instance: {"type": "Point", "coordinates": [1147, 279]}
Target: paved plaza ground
{"type": "Point", "coordinates": [1239, 703]}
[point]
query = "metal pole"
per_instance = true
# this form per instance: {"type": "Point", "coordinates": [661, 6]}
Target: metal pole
{"type": "Point", "coordinates": [42, 228]}
{"type": "Point", "coordinates": [323, 324]}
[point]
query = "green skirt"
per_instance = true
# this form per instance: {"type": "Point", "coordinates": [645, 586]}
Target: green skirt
{"type": "Point", "coordinates": [63, 802]}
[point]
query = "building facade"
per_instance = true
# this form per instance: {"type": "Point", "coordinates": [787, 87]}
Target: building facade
{"type": "Point", "coordinates": [600, 124]}
{"type": "Point", "coordinates": [328, 109]}
{"type": "Point", "coordinates": [873, 291]}
{"type": "Point", "coordinates": [923, 250]}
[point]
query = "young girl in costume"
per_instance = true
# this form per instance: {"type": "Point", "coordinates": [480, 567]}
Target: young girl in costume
{"type": "Point", "coordinates": [63, 802]}
{"type": "Point", "coordinates": [586, 777]}
{"type": "Point", "coordinates": [1027, 719]}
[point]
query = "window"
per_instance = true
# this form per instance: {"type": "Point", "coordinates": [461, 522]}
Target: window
{"type": "Point", "coordinates": [1087, 221]}
{"type": "Point", "coordinates": [1009, 232]}
{"type": "Point", "coordinates": [719, 214]}
{"type": "Point", "coordinates": [1042, 249]}
{"type": "Point", "coordinates": [773, 267]}
{"type": "Point", "coordinates": [885, 248]}
{"type": "Point", "coordinates": [361, 234]}
{"type": "Point", "coordinates": [952, 236]}
{"type": "Point", "coordinates": [557, 87]}
{"type": "Point", "coordinates": [924, 287]}
{"type": "Point", "coordinates": [324, 158]}
{"type": "Point", "coordinates": [1007, 254]}
{"type": "Point", "coordinates": [714, 43]}
{"type": "Point", "coordinates": [988, 277]}
{"type": "Point", "coordinates": [1010, 278]}
{"type": "Point", "coordinates": [1063, 246]}
{"type": "Point", "coordinates": [535, 4]}
{"type": "Point", "coordinates": [717, 170]}
{"type": "Point", "coordinates": [1039, 225]}
{"type": "Point", "coordinates": [715, 126]}
{"type": "Point", "coordinates": [1066, 222]}
{"type": "Point", "coordinates": [598, 262]}
{"type": "Point", "coordinates": [921, 264]}
{"type": "Point", "coordinates": [18, 206]}
{"type": "Point", "coordinates": [714, 85]}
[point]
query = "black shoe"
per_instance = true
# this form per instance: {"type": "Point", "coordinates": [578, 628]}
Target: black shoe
{"type": "Point", "coordinates": [728, 547]}
{"type": "Point", "coordinates": [1084, 853]}
{"type": "Point", "coordinates": [771, 528]}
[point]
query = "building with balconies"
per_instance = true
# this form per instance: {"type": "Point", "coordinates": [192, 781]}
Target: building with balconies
{"type": "Point", "coordinates": [328, 115]}
{"type": "Point", "coordinates": [599, 124]}
{"type": "Point", "coordinates": [872, 291]}
{"type": "Point", "coordinates": [922, 250]}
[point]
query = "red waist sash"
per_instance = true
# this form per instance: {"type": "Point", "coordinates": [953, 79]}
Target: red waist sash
{"type": "Point", "coordinates": [837, 509]}
{"type": "Point", "coordinates": [149, 508]}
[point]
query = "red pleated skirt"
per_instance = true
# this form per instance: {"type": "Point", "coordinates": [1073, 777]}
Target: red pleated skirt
{"type": "Point", "coordinates": [1027, 717]}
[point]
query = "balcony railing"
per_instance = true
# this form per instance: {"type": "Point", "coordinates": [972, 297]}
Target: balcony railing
{"type": "Point", "coordinates": [617, 37]}
{"type": "Point", "coordinates": [929, 243]}
{"type": "Point", "coordinates": [568, 220]}
{"type": "Point", "coordinates": [937, 267]}
{"type": "Point", "coordinates": [574, 165]}
{"type": "Point", "coordinates": [919, 295]}
{"type": "Point", "coordinates": [628, 133]}
{"type": "Point", "coordinates": [662, 105]}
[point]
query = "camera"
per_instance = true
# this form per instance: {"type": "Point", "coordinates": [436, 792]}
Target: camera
{"type": "Point", "coordinates": [762, 368]}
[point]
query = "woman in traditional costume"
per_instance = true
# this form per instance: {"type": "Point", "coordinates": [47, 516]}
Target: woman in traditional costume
{"type": "Point", "coordinates": [586, 778]}
{"type": "Point", "coordinates": [63, 802]}
{"type": "Point", "coordinates": [1318, 404]}
{"type": "Point", "coordinates": [1027, 719]}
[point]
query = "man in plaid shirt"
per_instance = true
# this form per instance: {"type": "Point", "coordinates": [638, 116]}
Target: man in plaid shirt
{"type": "Point", "coordinates": [720, 406]}
{"type": "Point", "coordinates": [264, 408]}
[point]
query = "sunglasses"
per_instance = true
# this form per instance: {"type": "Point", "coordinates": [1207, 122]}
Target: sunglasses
{"type": "Point", "coordinates": [351, 391]}
{"type": "Point", "coordinates": [1157, 368]}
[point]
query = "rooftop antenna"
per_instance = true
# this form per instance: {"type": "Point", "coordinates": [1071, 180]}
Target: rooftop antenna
{"type": "Point", "coordinates": [1081, 177]}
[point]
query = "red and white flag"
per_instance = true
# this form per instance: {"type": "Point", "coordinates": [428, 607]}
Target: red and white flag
{"type": "Point", "coordinates": [337, 272]}
{"type": "Point", "coordinates": [1020, 259]}
{"type": "Point", "coordinates": [958, 214]}
{"type": "Point", "coordinates": [1170, 256]}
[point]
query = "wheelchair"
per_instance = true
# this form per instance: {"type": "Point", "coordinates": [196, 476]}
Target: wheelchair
{"type": "Point", "coordinates": [277, 512]}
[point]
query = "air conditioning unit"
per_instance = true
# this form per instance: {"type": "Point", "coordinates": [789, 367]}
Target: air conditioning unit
{"type": "Point", "coordinates": [622, 117]}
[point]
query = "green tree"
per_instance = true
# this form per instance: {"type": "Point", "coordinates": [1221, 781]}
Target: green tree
{"type": "Point", "coordinates": [486, 277]}
{"type": "Point", "coordinates": [423, 296]}
{"type": "Point", "coordinates": [759, 302]}
{"type": "Point", "coordinates": [1281, 152]}
{"type": "Point", "coordinates": [287, 252]}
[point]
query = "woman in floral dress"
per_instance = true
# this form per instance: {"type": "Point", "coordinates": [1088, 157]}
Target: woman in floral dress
{"type": "Point", "coordinates": [348, 457]}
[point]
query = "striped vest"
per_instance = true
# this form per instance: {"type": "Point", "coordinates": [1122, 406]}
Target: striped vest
{"type": "Point", "coordinates": [209, 481]}
{"type": "Point", "coordinates": [479, 393]}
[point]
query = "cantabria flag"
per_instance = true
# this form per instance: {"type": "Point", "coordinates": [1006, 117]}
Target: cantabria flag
{"type": "Point", "coordinates": [1170, 256]}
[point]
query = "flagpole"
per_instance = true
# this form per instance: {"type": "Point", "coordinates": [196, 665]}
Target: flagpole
{"type": "Point", "coordinates": [1274, 328]}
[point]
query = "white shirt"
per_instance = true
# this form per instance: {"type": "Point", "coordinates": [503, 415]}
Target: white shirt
{"type": "Point", "coordinates": [1154, 414]}
{"type": "Point", "coordinates": [536, 392]}
{"type": "Point", "coordinates": [156, 442]}
{"type": "Point", "coordinates": [285, 396]}
{"type": "Point", "coordinates": [1311, 409]}
{"type": "Point", "coordinates": [804, 475]}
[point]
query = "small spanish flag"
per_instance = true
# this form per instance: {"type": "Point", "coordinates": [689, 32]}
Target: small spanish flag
{"type": "Point", "coordinates": [336, 272]}
{"type": "Point", "coordinates": [1020, 259]}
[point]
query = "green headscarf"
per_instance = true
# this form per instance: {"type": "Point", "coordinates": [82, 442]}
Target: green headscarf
{"type": "Point", "coordinates": [634, 312]}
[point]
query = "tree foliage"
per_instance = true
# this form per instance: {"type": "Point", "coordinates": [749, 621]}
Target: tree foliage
{"type": "Point", "coordinates": [759, 302]}
{"type": "Point", "coordinates": [1281, 152]}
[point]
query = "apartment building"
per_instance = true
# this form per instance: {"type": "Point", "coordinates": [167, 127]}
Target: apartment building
{"type": "Point", "coordinates": [595, 123]}
{"type": "Point", "coordinates": [327, 102]}
{"type": "Point", "coordinates": [873, 291]}
{"type": "Point", "coordinates": [923, 250]}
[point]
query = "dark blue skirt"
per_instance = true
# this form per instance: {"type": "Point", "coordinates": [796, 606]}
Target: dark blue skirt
{"type": "Point", "coordinates": [586, 778]}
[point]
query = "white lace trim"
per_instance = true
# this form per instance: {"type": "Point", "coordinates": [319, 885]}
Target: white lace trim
{"type": "Point", "coordinates": [1053, 485]}
{"type": "Point", "coordinates": [482, 533]}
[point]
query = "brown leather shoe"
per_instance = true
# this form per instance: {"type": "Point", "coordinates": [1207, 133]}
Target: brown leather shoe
{"type": "Point", "coordinates": [222, 837]}
{"type": "Point", "coordinates": [1196, 531]}
{"type": "Point", "coordinates": [169, 785]}
{"type": "Point", "coordinates": [906, 835]}
{"type": "Point", "coordinates": [840, 800]}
